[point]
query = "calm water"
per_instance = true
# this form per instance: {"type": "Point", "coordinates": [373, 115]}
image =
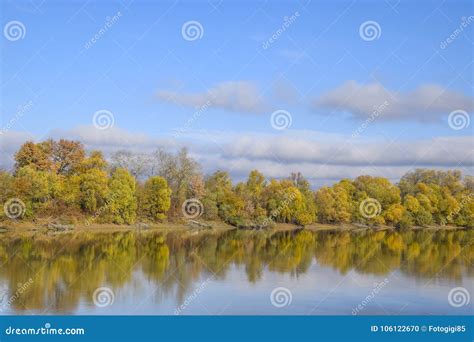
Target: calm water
{"type": "Point", "coordinates": [238, 272]}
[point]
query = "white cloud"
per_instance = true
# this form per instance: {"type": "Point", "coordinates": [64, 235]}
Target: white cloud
{"type": "Point", "coordinates": [111, 139]}
{"type": "Point", "coordinates": [286, 92]}
{"type": "Point", "coordinates": [426, 103]}
{"type": "Point", "coordinates": [10, 141]}
{"type": "Point", "coordinates": [235, 96]}
{"type": "Point", "coordinates": [442, 151]}
{"type": "Point", "coordinates": [323, 158]}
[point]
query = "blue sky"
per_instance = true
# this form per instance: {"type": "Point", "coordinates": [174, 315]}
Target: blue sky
{"type": "Point", "coordinates": [319, 69]}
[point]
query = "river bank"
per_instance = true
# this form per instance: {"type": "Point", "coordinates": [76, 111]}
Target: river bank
{"type": "Point", "coordinates": [43, 226]}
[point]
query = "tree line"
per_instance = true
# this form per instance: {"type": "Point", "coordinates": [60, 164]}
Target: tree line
{"type": "Point", "coordinates": [60, 179]}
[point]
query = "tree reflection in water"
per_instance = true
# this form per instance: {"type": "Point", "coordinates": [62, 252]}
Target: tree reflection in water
{"type": "Point", "coordinates": [66, 269]}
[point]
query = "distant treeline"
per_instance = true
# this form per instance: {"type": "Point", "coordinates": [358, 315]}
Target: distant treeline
{"type": "Point", "coordinates": [58, 179]}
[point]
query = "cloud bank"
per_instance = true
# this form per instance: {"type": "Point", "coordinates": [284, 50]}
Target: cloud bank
{"type": "Point", "coordinates": [426, 103]}
{"type": "Point", "coordinates": [320, 157]}
{"type": "Point", "coordinates": [234, 96]}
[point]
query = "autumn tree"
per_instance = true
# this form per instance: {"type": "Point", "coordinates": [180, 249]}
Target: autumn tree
{"type": "Point", "coordinates": [56, 178]}
{"type": "Point", "coordinates": [250, 194]}
{"type": "Point", "coordinates": [91, 183]}
{"type": "Point", "coordinates": [37, 156]}
{"type": "Point", "coordinates": [179, 171]}
{"type": "Point", "coordinates": [284, 202]}
{"type": "Point", "coordinates": [381, 190]}
{"type": "Point", "coordinates": [61, 156]}
{"type": "Point", "coordinates": [335, 204]}
{"type": "Point", "coordinates": [220, 200]}
{"type": "Point", "coordinates": [138, 164]}
{"type": "Point", "coordinates": [395, 215]}
{"type": "Point", "coordinates": [7, 189]}
{"type": "Point", "coordinates": [452, 179]}
{"type": "Point", "coordinates": [95, 160]}
{"type": "Point", "coordinates": [6, 186]}
{"type": "Point", "coordinates": [37, 189]}
{"type": "Point", "coordinates": [121, 199]}
{"type": "Point", "coordinates": [155, 199]}
{"type": "Point", "coordinates": [93, 186]}
{"type": "Point", "coordinates": [66, 155]}
{"type": "Point", "coordinates": [304, 187]}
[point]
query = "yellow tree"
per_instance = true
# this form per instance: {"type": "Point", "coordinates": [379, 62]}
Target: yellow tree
{"type": "Point", "coordinates": [155, 198]}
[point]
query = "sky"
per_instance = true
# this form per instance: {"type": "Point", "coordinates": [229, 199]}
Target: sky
{"type": "Point", "coordinates": [333, 89]}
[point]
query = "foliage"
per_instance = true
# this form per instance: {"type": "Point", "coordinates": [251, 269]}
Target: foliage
{"type": "Point", "coordinates": [155, 198]}
{"type": "Point", "coordinates": [121, 199]}
{"type": "Point", "coordinates": [93, 185]}
{"type": "Point", "coordinates": [61, 157]}
{"type": "Point", "coordinates": [58, 176]}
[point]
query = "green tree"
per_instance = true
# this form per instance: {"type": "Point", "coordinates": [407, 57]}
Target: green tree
{"type": "Point", "coordinates": [285, 203]}
{"type": "Point", "coordinates": [7, 190]}
{"type": "Point", "coordinates": [310, 210]}
{"type": "Point", "coordinates": [6, 186]}
{"type": "Point", "coordinates": [216, 200]}
{"type": "Point", "coordinates": [93, 185]}
{"type": "Point", "coordinates": [378, 188]}
{"type": "Point", "coordinates": [155, 198]}
{"type": "Point", "coordinates": [37, 189]}
{"type": "Point", "coordinates": [121, 199]}
{"type": "Point", "coordinates": [95, 160]}
{"type": "Point", "coordinates": [335, 204]}
{"type": "Point", "coordinates": [452, 179]}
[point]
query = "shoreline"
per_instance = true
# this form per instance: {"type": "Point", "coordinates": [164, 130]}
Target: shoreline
{"type": "Point", "coordinates": [9, 227]}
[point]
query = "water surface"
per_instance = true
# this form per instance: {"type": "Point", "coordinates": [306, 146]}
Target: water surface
{"type": "Point", "coordinates": [236, 272]}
